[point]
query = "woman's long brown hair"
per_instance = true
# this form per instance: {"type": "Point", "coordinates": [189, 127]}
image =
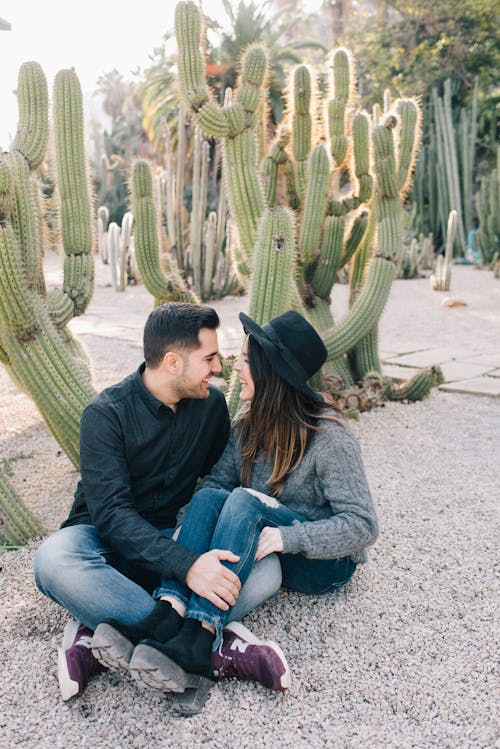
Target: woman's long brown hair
{"type": "Point", "coordinates": [280, 422]}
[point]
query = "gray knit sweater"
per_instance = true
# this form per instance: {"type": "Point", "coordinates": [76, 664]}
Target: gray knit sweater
{"type": "Point", "coordinates": [329, 488]}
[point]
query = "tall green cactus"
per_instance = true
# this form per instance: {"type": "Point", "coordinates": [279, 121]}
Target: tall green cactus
{"type": "Point", "coordinates": [164, 285]}
{"type": "Point", "coordinates": [37, 348]}
{"type": "Point", "coordinates": [332, 228]}
{"type": "Point", "coordinates": [17, 523]}
{"type": "Point", "coordinates": [198, 249]}
{"type": "Point", "coordinates": [488, 209]}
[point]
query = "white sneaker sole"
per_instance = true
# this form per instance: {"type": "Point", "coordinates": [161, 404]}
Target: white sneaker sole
{"type": "Point", "coordinates": [67, 686]}
{"type": "Point", "coordinates": [69, 635]}
{"type": "Point", "coordinates": [241, 631]}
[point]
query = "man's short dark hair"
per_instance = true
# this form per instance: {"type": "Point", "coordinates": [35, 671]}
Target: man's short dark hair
{"type": "Point", "coordinates": [175, 326]}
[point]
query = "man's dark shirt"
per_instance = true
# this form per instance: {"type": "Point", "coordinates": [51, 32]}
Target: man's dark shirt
{"type": "Point", "coordinates": [140, 461]}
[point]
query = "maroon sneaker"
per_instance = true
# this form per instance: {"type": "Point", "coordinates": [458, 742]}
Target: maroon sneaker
{"type": "Point", "coordinates": [243, 656]}
{"type": "Point", "coordinates": [75, 662]}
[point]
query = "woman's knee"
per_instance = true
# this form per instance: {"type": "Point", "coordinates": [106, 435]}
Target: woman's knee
{"type": "Point", "coordinates": [243, 501]}
{"type": "Point", "coordinates": [208, 498]}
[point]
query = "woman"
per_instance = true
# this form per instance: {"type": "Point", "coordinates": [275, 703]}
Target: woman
{"type": "Point", "coordinates": [291, 481]}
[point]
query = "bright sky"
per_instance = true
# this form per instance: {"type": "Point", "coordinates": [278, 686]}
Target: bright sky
{"type": "Point", "coordinates": [90, 35]}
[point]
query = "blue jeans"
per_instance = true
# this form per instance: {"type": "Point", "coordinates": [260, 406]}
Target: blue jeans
{"type": "Point", "coordinates": [217, 519]}
{"type": "Point", "coordinates": [75, 569]}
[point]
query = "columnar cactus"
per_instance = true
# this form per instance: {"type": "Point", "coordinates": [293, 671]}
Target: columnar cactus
{"type": "Point", "coordinates": [36, 347]}
{"type": "Point", "coordinates": [165, 285]}
{"type": "Point", "coordinates": [441, 278]}
{"type": "Point", "coordinates": [17, 523]}
{"type": "Point", "coordinates": [331, 227]}
{"type": "Point", "coordinates": [120, 243]}
{"type": "Point", "coordinates": [488, 209]}
{"type": "Point", "coordinates": [198, 250]}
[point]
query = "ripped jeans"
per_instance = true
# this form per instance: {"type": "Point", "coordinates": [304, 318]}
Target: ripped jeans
{"type": "Point", "coordinates": [218, 519]}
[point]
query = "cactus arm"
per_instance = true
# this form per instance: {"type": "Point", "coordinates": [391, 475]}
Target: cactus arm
{"type": "Point", "coordinates": [60, 307]}
{"type": "Point", "coordinates": [23, 217]}
{"type": "Point", "coordinates": [409, 129]}
{"type": "Point", "coordinates": [329, 260]}
{"type": "Point", "coordinates": [341, 87]}
{"type": "Point", "coordinates": [361, 154]}
{"type": "Point", "coordinates": [233, 123]}
{"type": "Point", "coordinates": [18, 313]}
{"type": "Point", "coordinates": [365, 311]}
{"type": "Point", "coordinates": [164, 288]}
{"type": "Point", "coordinates": [356, 235]}
{"type": "Point", "coordinates": [270, 165]}
{"type": "Point", "coordinates": [33, 104]}
{"type": "Point", "coordinates": [179, 188]}
{"type": "Point", "coordinates": [73, 189]}
{"type": "Point", "coordinates": [315, 205]}
{"type": "Point", "coordinates": [271, 282]}
{"type": "Point", "coordinates": [302, 124]}
{"type": "Point", "coordinates": [190, 64]}
{"type": "Point", "coordinates": [246, 197]}
{"type": "Point", "coordinates": [418, 386]}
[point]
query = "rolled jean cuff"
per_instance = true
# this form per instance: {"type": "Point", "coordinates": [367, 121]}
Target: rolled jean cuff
{"type": "Point", "coordinates": [212, 619]}
{"type": "Point", "coordinates": [172, 593]}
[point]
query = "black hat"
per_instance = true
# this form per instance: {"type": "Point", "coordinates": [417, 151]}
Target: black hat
{"type": "Point", "coordinates": [294, 349]}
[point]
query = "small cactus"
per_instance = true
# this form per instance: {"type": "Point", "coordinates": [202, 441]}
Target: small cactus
{"type": "Point", "coordinates": [441, 278]}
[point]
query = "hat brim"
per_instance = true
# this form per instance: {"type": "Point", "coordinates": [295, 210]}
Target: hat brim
{"type": "Point", "coordinates": [275, 359]}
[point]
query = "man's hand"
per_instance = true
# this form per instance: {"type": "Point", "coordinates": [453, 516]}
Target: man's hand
{"type": "Point", "coordinates": [270, 540]}
{"type": "Point", "coordinates": [210, 579]}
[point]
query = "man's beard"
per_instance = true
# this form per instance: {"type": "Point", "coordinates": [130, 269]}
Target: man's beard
{"type": "Point", "coordinates": [186, 388]}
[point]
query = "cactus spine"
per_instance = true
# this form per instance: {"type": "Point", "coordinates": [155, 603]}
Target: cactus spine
{"type": "Point", "coordinates": [38, 350]}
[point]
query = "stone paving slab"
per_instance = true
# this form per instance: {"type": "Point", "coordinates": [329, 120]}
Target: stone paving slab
{"type": "Point", "coordinates": [494, 373]}
{"type": "Point", "coordinates": [426, 358]}
{"type": "Point", "coordinates": [479, 386]}
{"type": "Point", "coordinates": [489, 358]}
{"type": "Point", "coordinates": [456, 370]}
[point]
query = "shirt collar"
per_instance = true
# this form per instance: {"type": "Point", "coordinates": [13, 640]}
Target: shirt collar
{"type": "Point", "coordinates": [153, 404]}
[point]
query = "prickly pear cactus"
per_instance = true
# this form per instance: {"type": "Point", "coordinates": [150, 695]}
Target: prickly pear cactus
{"type": "Point", "coordinates": [36, 347]}
{"type": "Point", "coordinates": [323, 228]}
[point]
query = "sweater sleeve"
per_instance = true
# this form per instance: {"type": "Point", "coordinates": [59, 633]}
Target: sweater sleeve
{"type": "Point", "coordinates": [226, 472]}
{"type": "Point", "coordinates": [353, 523]}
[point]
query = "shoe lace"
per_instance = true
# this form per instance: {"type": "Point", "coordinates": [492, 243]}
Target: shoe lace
{"type": "Point", "coordinates": [241, 664]}
{"type": "Point", "coordinates": [85, 641]}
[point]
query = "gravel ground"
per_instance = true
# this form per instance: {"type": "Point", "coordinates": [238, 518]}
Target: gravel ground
{"type": "Point", "coordinates": [404, 656]}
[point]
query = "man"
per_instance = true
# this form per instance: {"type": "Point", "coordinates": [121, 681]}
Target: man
{"type": "Point", "coordinates": [143, 445]}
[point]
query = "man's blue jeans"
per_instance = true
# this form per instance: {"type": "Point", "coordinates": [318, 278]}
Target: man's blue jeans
{"type": "Point", "coordinates": [217, 519]}
{"type": "Point", "coordinates": [76, 570]}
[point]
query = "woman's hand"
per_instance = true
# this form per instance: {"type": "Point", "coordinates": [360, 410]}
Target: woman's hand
{"type": "Point", "coordinates": [270, 540]}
